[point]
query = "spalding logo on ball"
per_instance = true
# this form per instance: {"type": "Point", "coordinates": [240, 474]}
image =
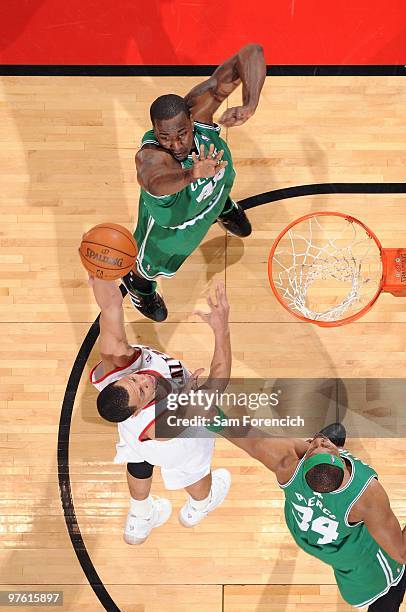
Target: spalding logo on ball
{"type": "Point", "coordinates": [108, 251]}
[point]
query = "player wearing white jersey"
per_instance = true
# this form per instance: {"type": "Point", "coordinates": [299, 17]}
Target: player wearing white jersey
{"type": "Point", "coordinates": [130, 379]}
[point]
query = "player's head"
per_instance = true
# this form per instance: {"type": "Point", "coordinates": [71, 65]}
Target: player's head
{"type": "Point", "coordinates": [119, 400]}
{"type": "Point", "coordinates": [173, 125]}
{"type": "Point", "coordinates": [323, 466]}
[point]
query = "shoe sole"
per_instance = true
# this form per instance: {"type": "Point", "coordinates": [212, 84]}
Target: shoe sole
{"type": "Point", "coordinates": [135, 541]}
{"type": "Point", "coordinates": [186, 524]}
{"type": "Point", "coordinates": [141, 540]}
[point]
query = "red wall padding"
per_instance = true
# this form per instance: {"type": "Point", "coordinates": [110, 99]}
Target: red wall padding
{"type": "Point", "coordinates": [201, 32]}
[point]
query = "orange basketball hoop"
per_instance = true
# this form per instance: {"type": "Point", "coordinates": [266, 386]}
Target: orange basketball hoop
{"type": "Point", "coordinates": [329, 268]}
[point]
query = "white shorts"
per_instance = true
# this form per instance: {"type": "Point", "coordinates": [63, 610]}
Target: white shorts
{"type": "Point", "coordinates": [183, 461]}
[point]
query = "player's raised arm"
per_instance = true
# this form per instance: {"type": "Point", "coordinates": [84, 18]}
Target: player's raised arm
{"type": "Point", "coordinates": [246, 67]}
{"type": "Point", "coordinates": [277, 454]}
{"type": "Point", "coordinates": [374, 509]}
{"type": "Point", "coordinates": [113, 345]}
{"type": "Point", "coordinates": [217, 319]}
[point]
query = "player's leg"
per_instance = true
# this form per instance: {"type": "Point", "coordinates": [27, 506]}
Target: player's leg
{"type": "Point", "coordinates": [206, 490]}
{"type": "Point", "coordinates": [392, 601]}
{"type": "Point", "coordinates": [161, 252]}
{"type": "Point", "coordinates": [146, 512]}
{"type": "Point", "coordinates": [140, 285]}
{"type": "Point", "coordinates": [200, 490]}
{"type": "Point", "coordinates": [234, 220]}
{"type": "Point", "coordinates": [204, 496]}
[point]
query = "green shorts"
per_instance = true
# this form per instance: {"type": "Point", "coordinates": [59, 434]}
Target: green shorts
{"type": "Point", "coordinates": [362, 585]}
{"type": "Point", "coordinates": [162, 250]}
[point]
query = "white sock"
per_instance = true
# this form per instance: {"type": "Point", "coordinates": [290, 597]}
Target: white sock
{"type": "Point", "coordinates": [200, 504]}
{"type": "Point", "coordinates": [142, 508]}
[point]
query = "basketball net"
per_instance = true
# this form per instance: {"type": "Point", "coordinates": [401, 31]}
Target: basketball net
{"type": "Point", "coordinates": [326, 268]}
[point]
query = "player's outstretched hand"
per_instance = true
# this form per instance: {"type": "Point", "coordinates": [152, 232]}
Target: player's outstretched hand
{"type": "Point", "coordinates": [193, 382]}
{"type": "Point", "coordinates": [217, 318]}
{"type": "Point", "coordinates": [206, 166]}
{"type": "Point", "coordinates": [236, 116]}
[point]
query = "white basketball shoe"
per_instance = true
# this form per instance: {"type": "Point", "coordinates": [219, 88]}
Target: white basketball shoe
{"type": "Point", "coordinates": [221, 481]}
{"type": "Point", "coordinates": [138, 529]}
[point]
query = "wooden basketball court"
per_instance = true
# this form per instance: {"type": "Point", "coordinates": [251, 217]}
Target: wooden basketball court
{"type": "Point", "coordinates": [67, 152]}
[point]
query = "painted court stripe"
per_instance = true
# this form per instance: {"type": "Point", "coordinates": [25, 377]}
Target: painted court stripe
{"type": "Point", "coordinates": [63, 470]}
{"type": "Point", "coordinates": [189, 70]}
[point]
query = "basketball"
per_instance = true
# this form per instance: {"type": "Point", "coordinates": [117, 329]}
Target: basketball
{"type": "Point", "coordinates": [108, 251]}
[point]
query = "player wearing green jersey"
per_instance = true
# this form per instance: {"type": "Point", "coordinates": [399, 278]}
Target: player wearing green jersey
{"type": "Point", "coordinates": [337, 511]}
{"type": "Point", "coordinates": [335, 508]}
{"type": "Point", "coordinates": [186, 173]}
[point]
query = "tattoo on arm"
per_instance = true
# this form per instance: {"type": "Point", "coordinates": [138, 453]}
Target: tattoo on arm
{"type": "Point", "coordinates": [207, 86]}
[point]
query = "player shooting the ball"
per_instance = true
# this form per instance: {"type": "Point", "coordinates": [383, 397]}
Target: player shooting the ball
{"type": "Point", "coordinates": [131, 379]}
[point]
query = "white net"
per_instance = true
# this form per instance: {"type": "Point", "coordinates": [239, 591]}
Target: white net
{"type": "Point", "coordinates": [327, 268]}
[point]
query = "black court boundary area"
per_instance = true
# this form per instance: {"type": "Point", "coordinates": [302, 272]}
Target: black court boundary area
{"type": "Point", "coordinates": [89, 342]}
{"type": "Point", "coordinates": [203, 70]}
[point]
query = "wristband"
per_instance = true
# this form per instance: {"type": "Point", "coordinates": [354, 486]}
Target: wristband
{"type": "Point", "coordinates": [217, 428]}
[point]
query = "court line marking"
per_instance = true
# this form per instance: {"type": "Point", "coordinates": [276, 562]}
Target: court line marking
{"type": "Point", "coordinates": [190, 70]}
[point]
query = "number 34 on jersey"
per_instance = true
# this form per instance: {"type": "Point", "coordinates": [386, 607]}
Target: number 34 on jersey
{"type": "Point", "coordinates": [325, 525]}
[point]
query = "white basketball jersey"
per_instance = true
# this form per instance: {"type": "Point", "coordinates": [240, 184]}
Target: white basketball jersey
{"type": "Point", "coordinates": [145, 359]}
{"type": "Point", "coordinates": [134, 445]}
{"type": "Point", "coordinates": [149, 361]}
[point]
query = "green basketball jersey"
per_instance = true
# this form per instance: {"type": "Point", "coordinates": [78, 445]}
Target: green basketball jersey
{"type": "Point", "coordinates": [319, 524]}
{"type": "Point", "coordinates": [201, 198]}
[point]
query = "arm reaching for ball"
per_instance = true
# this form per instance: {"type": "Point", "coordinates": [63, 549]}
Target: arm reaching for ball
{"type": "Point", "coordinates": [113, 344]}
{"type": "Point", "coordinates": [217, 319]}
{"type": "Point", "coordinates": [280, 455]}
{"type": "Point", "coordinates": [107, 252]}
